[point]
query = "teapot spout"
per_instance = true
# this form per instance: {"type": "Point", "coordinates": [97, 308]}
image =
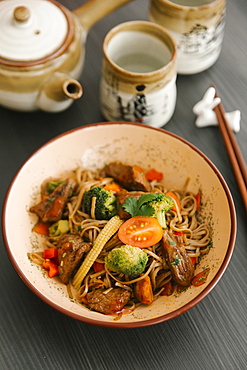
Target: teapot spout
{"type": "Point", "coordinates": [58, 93]}
{"type": "Point", "coordinates": [94, 10]}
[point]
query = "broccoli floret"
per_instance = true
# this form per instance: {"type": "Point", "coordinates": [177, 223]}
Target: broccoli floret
{"type": "Point", "coordinates": [127, 260]}
{"type": "Point", "coordinates": [58, 228]}
{"type": "Point", "coordinates": [161, 205]}
{"type": "Point", "coordinates": [105, 206]}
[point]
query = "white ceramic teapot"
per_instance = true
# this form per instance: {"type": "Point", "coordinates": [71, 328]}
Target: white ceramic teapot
{"type": "Point", "coordinates": [42, 50]}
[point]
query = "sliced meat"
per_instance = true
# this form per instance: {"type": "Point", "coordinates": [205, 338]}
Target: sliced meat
{"type": "Point", "coordinates": [180, 264]}
{"type": "Point", "coordinates": [71, 249]}
{"type": "Point", "coordinates": [51, 208]}
{"type": "Point", "coordinates": [129, 177]}
{"type": "Point", "coordinates": [109, 303]}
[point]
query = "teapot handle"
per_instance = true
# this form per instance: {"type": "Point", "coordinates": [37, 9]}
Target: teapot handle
{"type": "Point", "coordinates": [94, 10]}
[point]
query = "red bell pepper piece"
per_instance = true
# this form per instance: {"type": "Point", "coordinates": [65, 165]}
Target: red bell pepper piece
{"type": "Point", "coordinates": [50, 253]}
{"type": "Point", "coordinates": [97, 266]}
{"type": "Point", "coordinates": [152, 174]}
{"type": "Point", "coordinates": [51, 267]}
{"type": "Point", "coordinates": [200, 278]}
{"type": "Point", "coordinates": [198, 200]}
{"type": "Point", "coordinates": [193, 259]}
{"type": "Point", "coordinates": [180, 233]}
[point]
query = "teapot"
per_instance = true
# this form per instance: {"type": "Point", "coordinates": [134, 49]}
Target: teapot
{"type": "Point", "coordinates": [42, 51]}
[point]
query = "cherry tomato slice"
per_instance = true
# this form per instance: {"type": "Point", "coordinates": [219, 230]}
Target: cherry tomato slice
{"type": "Point", "coordinates": [200, 278]}
{"type": "Point", "coordinates": [142, 232]}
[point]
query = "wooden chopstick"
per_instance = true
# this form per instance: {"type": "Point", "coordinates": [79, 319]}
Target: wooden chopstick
{"type": "Point", "coordinates": [233, 150]}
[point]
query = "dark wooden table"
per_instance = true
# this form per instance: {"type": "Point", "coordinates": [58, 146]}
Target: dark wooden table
{"type": "Point", "coordinates": [213, 334]}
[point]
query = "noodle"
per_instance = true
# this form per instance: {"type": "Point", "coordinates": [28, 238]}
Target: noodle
{"type": "Point", "coordinates": [195, 236]}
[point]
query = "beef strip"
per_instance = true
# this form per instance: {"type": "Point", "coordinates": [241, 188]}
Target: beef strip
{"type": "Point", "coordinates": [71, 249]}
{"type": "Point", "coordinates": [109, 303]}
{"type": "Point", "coordinates": [129, 177]}
{"type": "Point", "coordinates": [179, 262]}
{"type": "Point", "coordinates": [51, 208]}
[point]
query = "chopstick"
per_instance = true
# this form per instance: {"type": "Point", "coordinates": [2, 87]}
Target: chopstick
{"type": "Point", "coordinates": [233, 150]}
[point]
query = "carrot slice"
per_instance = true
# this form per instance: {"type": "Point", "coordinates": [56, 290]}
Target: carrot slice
{"type": "Point", "coordinates": [114, 187]}
{"type": "Point", "coordinates": [42, 228]}
{"type": "Point", "coordinates": [173, 195]}
{"type": "Point", "coordinates": [143, 290]}
{"type": "Point", "coordinates": [168, 289]}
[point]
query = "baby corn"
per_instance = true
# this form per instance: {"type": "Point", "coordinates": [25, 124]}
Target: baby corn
{"type": "Point", "coordinates": [106, 233]}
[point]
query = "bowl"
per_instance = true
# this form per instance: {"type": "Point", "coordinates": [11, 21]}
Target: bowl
{"type": "Point", "coordinates": [92, 146]}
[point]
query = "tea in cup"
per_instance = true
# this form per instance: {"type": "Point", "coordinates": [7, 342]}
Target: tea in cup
{"type": "Point", "coordinates": [138, 82]}
{"type": "Point", "coordinates": [197, 27]}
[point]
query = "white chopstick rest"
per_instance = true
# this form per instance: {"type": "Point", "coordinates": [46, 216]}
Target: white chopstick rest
{"type": "Point", "coordinates": [207, 117]}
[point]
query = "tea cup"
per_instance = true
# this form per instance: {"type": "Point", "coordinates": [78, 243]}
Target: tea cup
{"type": "Point", "coordinates": [197, 27]}
{"type": "Point", "coordinates": [138, 81]}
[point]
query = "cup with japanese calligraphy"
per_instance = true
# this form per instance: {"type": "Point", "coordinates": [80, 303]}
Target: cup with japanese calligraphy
{"type": "Point", "coordinates": [138, 81]}
{"type": "Point", "coordinates": [197, 27]}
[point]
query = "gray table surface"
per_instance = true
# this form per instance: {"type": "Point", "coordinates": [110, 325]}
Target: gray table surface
{"type": "Point", "coordinates": [213, 334]}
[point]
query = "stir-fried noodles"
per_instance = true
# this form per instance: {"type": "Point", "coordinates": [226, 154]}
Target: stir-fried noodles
{"type": "Point", "coordinates": [181, 222]}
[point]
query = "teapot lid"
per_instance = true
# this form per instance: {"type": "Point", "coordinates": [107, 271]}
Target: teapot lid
{"type": "Point", "coordinates": [32, 30]}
